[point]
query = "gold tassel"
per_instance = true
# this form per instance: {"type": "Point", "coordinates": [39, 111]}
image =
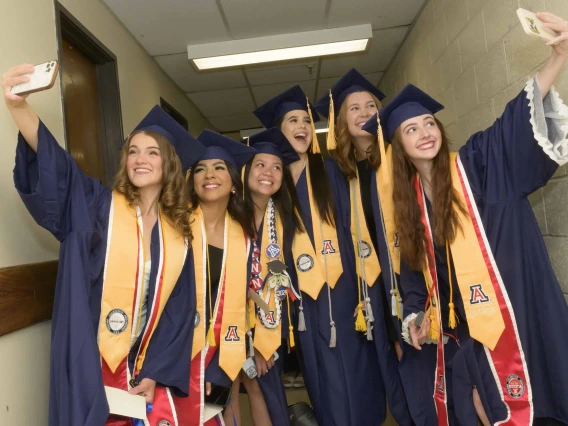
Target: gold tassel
{"type": "Point", "coordinates": [331, 143]}
{"type": "Point", "coordinates": [211, 334]}
{"type": "Point", "coordinates": [187, 174]}
{"type": "Point", "coordinates": [315, 143]}
{"type": "Point", "coordinates": [360, 324]}
{"type": "Point", "coordinates": [290, 327]}
{"type": "Point", "coordinates": [433, 331]}
{"type": "Point", "coordinates": [453, 317]}
{"type": "Point", "coordinates": [384, 164]}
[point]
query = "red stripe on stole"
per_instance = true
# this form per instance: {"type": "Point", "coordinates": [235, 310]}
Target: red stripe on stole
{"type": "Point", "coordinates": [506, 358]}
{"type": "Point", "coordinates": [439, 381]}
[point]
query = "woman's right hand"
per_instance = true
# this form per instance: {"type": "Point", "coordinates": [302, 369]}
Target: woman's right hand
{"type": "Point", "coordinates": [16, 75]}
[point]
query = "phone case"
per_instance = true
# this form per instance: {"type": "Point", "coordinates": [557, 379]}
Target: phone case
{"type": "Point", "coordinates": [43, 78]}
{"type": "Point", "coordinates": [533, 26]}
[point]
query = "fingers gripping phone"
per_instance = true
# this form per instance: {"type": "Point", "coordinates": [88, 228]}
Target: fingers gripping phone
{"type": "Point", "coordinates": [533, 26]}
{"type": "Point", "coordinates": [42, 78]}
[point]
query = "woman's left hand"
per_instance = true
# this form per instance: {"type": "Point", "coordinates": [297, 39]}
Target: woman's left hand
{"type": "Point", "coordinates": [146, 389]}
{"type": "Point", "coordinates": [559, 44]}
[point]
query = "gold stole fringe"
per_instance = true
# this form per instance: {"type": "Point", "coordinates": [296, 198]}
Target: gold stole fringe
{"type": "Point", "coordinates": [233, 284]}
{"type": "Point", "coordinates": [124, 247]}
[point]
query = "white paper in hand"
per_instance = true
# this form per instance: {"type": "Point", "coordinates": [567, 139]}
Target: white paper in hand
{"type": "Point", "coordinates": [211, 411]}
{"type": "Point", "coordinates": [122, 403]}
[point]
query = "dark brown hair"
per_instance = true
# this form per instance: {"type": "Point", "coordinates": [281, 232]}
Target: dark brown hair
{"type": "Point", "coordinates": [174, 196]}
{"type": "Point", "coordinates": [236, 206]}
{"type": "Point", "coordinates": [344, 153]}
{"type": "Point", "coordinates": [285, 201]}
{"type": "Point", "coordinates": [444, 219]}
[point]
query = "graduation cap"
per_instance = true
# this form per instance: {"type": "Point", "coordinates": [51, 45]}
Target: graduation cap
{"type": "Point", "coordinates": [187, 147]}
{"type": "Point", "coordinates": [329, 104]}
{"type": "Point", "coordinates": [409, 103]}
{"type": "Point", "coordinates": [273, 141]}
{"type": "Point", "coordinates": [292, 99]}
{"type": "Point", "coordinates": [223, 148]}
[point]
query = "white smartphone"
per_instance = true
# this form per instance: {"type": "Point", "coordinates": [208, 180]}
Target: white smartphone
{"type": "Point", "coordinates": [42, 78]}
{"type": "Point", "coordinates": [533, 26]}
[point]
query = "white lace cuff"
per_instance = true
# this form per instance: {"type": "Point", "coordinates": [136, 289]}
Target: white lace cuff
{"type": "Point", "coordinates": [549, 121]}
{"type": "Point", "coordinates": [406, 332]}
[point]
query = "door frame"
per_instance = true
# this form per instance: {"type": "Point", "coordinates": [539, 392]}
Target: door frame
{"type": "Point", "coordinates": [105, 61]}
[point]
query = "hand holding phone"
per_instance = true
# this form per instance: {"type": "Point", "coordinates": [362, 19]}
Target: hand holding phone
{"type": "Point", "coordinates": [534, 26]}
{"type": "Point", "coordinates": [41, 78]}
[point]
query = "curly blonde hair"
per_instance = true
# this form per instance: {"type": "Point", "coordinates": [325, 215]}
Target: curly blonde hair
{"type": "Point", "coordinates": [174, 198]}
{"type": "Point", "coordinates": [344, 153]}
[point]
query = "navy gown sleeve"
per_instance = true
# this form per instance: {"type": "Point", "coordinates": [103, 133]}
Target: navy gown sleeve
{"type": "Point", "coordinates": [58, 195]}
{"type": "Point", "coordinates": [521, 151]}
{"type": "Point", "coordinates": [169, 352]}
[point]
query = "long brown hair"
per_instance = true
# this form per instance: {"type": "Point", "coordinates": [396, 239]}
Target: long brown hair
{"type": "Point", "coordinates": [344, 153]}
{"type": "Point", "coordinates": [174, 197]}
{"type": "Point", "coordinates": [236, 206]}
{"type": "Point", "coordinates": [445, 222]}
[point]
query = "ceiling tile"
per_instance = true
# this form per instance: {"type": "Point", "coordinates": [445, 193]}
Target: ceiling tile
{"type": "Point", "coordinates": [235, 123]}
{"type": "Point", "coordinates": [257, 18]}
{"type": "Point", "coordinates": [327, 83]}
{"type": "Point", "coordinates": [263, 94]}
{"type": "Point", "coordinates": [379, 13]}
{"type": "Point", "coordinates": [379, 55]}
{"type": "Point", "coordinates": [168, 26]}
{"type": "Point", "coordinates": [283, 73]}
{"type": "Point", "coordinates": [223, 102]}
{"type": "Point", "coordinates": [180, 71]}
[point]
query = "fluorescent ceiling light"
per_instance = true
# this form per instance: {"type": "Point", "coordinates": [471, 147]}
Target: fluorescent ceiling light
{"type": "Point", "coordinates": [281, 47]}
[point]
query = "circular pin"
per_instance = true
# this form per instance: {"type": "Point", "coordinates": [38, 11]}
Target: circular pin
{"type": "Point", "coordinates": [305, 262]}
{"type": "Point", "coordinates": [116, 321]}
{"type": "Point", "coordinates": [273, 251]}
{"type": "Point", "coordinates": [281, 293]}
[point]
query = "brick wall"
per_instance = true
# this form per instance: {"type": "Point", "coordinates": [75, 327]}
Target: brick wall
{"type": "Point", "coordinates": [473, 56]}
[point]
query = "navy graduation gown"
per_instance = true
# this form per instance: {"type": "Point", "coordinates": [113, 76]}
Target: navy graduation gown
{"type": "Point", "coordinates": [387, 361]}
{"type": "Point", "coordinates": [344, 383]}
{"type": "Point", "coordinates": [75, 209]}
{"type": "Point", "coordinates": [504, 164]}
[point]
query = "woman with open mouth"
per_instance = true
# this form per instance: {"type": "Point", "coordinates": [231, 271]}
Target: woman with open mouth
{"type": "Point", "coordinates": [340, 369]}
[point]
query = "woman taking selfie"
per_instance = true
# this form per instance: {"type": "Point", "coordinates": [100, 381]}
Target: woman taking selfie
{"type": "Point", "coordinates": [340, 371]}
{"type": "Point", "coordinates": [125, 282]}
{"type": "Point", "coordinates": [483, 308]}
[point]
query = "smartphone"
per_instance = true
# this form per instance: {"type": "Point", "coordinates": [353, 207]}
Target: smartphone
{"type": "Point", "coordinates": [533, 26]}
{"type": "Point", "coordinates": [42, 78]}
{"type": "Point", "coordinates": [419, 319]}
{"type": "Point", "coordinates": [249, 368]}
{"type": "Point", "coordinates": [220, 396]}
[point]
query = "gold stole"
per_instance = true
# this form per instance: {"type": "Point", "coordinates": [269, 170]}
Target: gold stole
{"type": "Point", "coordinates": [233, 286]}
{"type": "Point", "coordinates": [124, 281]}
{"type": "Point", "coordinates": [267, 340]}
{"type": "Point", "coordinates": [480, 302]}
{"type": "Point", "coordinates": [316, 267]}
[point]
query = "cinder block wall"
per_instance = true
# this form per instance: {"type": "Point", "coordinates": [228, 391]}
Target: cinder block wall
{"type": "Point", "coordinates": [473, 56]}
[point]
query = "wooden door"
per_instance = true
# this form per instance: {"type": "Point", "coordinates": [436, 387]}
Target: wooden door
{"type": "Point", "coordinates": [82, 113]}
